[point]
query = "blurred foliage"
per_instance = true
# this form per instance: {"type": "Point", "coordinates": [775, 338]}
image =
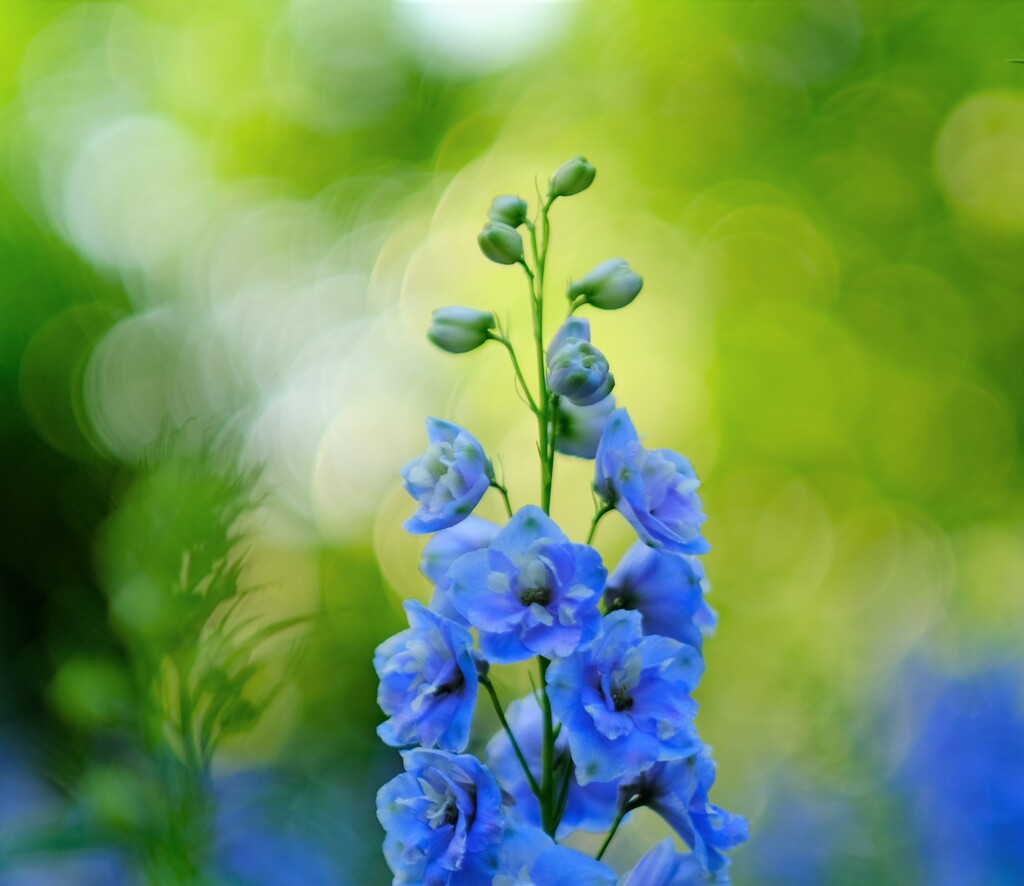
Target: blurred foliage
{"type": "Point", "coordinates": [226, 225]}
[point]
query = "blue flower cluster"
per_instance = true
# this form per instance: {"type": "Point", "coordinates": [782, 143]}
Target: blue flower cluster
{"type": "Point", "coordinates": [610, 725]}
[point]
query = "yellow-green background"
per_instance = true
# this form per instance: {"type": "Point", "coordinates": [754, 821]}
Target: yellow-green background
{"type": "Point", "coordinates": [228, 223]}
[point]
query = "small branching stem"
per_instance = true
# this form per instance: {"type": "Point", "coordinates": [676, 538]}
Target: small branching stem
{"type": "Point", "coordinates": [500, 711]}
{"type": "Point", "coordinates": [598, 514]}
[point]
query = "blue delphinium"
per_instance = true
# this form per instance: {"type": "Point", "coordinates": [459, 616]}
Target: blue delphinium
{"type": "Point", "coordinates": [576, 369]}
{"type": "Point", "coordinates": [472, 534]}
{"type": "Point", "coordinates": [531, 592]}
{"type": "Point", "coordinates": [443, 820]}
{"type": "Point", "coordinates": [626, 700]}
{"type": "Point", "coordinates": [654, 489]}
{"type": "Point", "coordinates": [666, 589]}
{"type": "Point", "coordinates": [428, 682]}
{"type": "Point", "coordinates": [448, 480]}
{"type": "Point", "coordinates": [532, 858]}
{"type": "Point", "coordinates": [578, 429]}
{"type": "Point", "coordinates": [678, 792]}
{"type": "Point", "coordinates": [663, 866]}
{"type": "Point", "coordinates": [609, 725]}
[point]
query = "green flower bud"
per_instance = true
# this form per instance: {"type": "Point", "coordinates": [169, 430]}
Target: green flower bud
{"type": "Point", "coordinates": [458, 330]}
{"type": "Point", "coordinates": [501, 243]}
{"type": "Point", "coordinates": [508, 210]}
{"type": "Point", "coordinates": [612, 284]}
{"type": "Point", "coordinates": [571, 177]}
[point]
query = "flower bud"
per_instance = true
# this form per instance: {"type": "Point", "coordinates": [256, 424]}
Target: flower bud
{"type": "Point", "coordinates": [571, 177]}
{"type": "Point", "coordinates": [612, 284]}
{"type": "Point", "coordinates": [458, 330]}
{"type": "Point", "coordinates": [579, 372]}
{"type": "Point", "coordinates": [508, 210]}
{"type": "Point", "coordinates": [501, 243]}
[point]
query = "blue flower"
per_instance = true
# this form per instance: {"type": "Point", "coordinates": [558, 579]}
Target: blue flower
{"type": "Point", "coordinates": [961, 778]}
{"type": "Point", "coordinates": [654, 489]}
{"type": "Point", "coordinates": [576, 369]}
{"type": "Point", "coordinates": [448, 480]}
{"type": "Point", "coordinates": [591, 807]}
{"type": "Point", "coordinates": [666, 589]}
{"type": "Point", "coordinates": [625, 700]}
{"type": "Point", "coordinates": [443, 820]}
{"type": "Point", "coordinates": [678, 792]}
{"type": "Point", "coordinates": [578, 429]}
{"type": "Point", "coordinates": [428, 682]}
{"type": "Point", "coordinates": [445, 548]}
{"type": "Point", "coordinates": [532, 858]}
{"type": "Point", "coordinates": [663, 866]}
{"type": "Point", "coordinates": [531, 592]}
{"type": "Point", "coordinates": [258, 840]}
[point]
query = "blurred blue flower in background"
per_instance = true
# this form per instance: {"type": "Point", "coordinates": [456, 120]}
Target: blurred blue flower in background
{"type": "Point", "coordinates": [272, 830]}
{"type": "Point", "coordinates": [962, 779]}
{"type": "Point", "coordinates": [42, 843]}
{"type": "Point", "coordinates": [950, 748]}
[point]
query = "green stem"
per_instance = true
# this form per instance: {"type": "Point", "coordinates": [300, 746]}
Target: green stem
{"type": "Point", "coordinates": [503, 339]}
{"type": "Point", "coordinates": [547, 785]}
{"type": "Point", "coordinates": [626, 808]}
{"type": "Point", "coordinates": [563, 791]}
{"type": "Point", "coordinates": [543, 402]}
{"type": "Point", "coordinates": [598, 514]}
{"type": "Point", "coordinates": [546, 450]}
{"type": "Point", "coordinates": [486, 683]}
{"type": "Point", "coordinates": [504, 494]}
{"type": "Point", "coordinates": [552, 438]}
{"type": "Point", "coordinates": [539, 248]}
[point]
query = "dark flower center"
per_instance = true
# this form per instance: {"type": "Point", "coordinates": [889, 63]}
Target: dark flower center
{"type": "Point", "coordinates": [621, 698]}
{"type": "Point", "coordinates": [535, 582]}
{"type": "Point", "coordinates": [623, 597]}
{"type": "Point", "coordinates": [528, 596]}
{"type": "Point", "coordinates": [451, 812]}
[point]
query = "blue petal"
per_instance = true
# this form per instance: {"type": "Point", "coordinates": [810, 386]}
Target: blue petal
{"type": "Point", "coordinates": [530, 524]}
{"type": "Point", "coordinates": [504, 648]}
{"type": "Point", "coordinates": [448, 545]}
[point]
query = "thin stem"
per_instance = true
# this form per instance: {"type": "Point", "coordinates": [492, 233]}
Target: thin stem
{"type": "Point", "coordinates": [503, 340]}
{"type": "Point", "coordinates": [601, 511]}
{"type": "Point", "coordinates": [552, 438]}
{"type": "Point", "coordinates": [547, 236]}
{"type": "Point", "coordinates": [626, 808]}
{"type": "Point", "coordinates": [563, 791]}
{"type": "Point", "coordinates": [547, 775]}
{"type": "Point", "coordinates": [486, 683]}
{"type": "Point", "coordinates": [539, 248]}
{"type": "Point", "coordinates": [504, 494]}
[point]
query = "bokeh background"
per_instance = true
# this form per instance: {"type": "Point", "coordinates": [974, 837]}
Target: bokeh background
{"type": "Point", "coordinates": [223, 227]}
